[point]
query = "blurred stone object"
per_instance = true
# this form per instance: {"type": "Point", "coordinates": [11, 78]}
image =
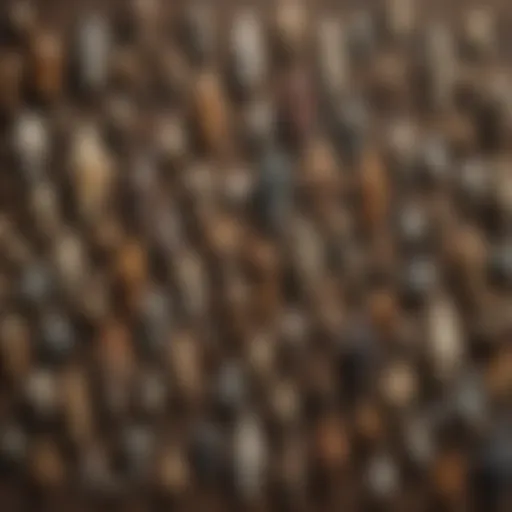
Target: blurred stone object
{"type": "Point", "coordinates": [231, 392]}
{"type": "Point", "coordinates": [445, 338]}
{"type": "Point", "coordinates": [290, 23]}
{"type": "Point", "coordinates": [461, 133]}
{"type": "Point", "coordinates": [296, 106]}
{"type": "Point", "coordinates": [115, 357]}
{"type": "Point", "coordinates": [470, 401]}
{"type": "Point", "coordinates": [131, 269]}
{"type": "Point", "coordinates": [192, 285]}
{"type": "Point", "coordinates": [93, 51]}
{"type": "Point", "coordinates": [368, 424]}
{"type": "Point", "coordinates": [152, 393]}
{"type": "Point", "coordinates": [286, 404]}
{"type": "Point", "coordinates": [47, 466]}
{"type": "Point", "coordinates": [126, 67]}
{"type": "Point", "coordinates": [22, 18]}
{"type": "Point", "coordinates": [332, 54]}
{"type": "Point", "coordinates": [41, 394]}
{"type": "Point", "coordinates": [47, 65]}
{"type": "Point", "coordinates": [413, 226]}
{"type": "Point", "coordinates": [400, 17]}
{"type": "Point", "coordinates": [331, 444]}
{"type": "Point", "coordinates": [238, 186]}
{"type": "Point", "coordinates": [319, 173]}
{"type": "Point", "coordinates": [77, 407]}
{"type": "Point", "coordinates": [440, 64]}
{"type": "Point", "coordinates": [57, 337]}
{"type": "Point", "coordinates": [479, 33]}
{"type": "Point", "coordinates": [349, 125]}
{"type": "Point", "coordinates": [91, 172]}
{"type": "Point", "coordinates": [399, 386]}
{"type": "Point", "coordinates": [173, 472]}
{"type": "Point", "coordinates": [475, 181]}
{"type": "Point", "coordinates": [420, 280]}
{"type": "Point", "coordinates": [175, 73]}
{"type": "Point", "coordinates": [185, 363]}
{"type": "Point", "coordinates": [120, 119]}
{"type": "Point", "coordinates": [147, 16]}
{"type": "Point", "coordinates": [385, 311]}
{"type": "Point", "coordinates": [199, 31]}
{"type": "Point", "coordinates": [468, 257]}
{"type": "Point", "coordinates": [136, 450]}
{"type": "Point", "coordinates": [361, 36]}
{"type": "Point", "coordinates": [273, 193]}
{"type": "Point", "coordinates": [211, 112]}
{"type": "Point", "coordinates": [259, 123]}
{"type": "Point", "coordinates": [420, 441]}
{"type": "Point", "coordinates": [94, 472]}
{"type": "Point", "coordinates": [172, 139]}
{"type": "Point", "coordinates": [388, 82]}
{"type": "Point", "coordinates": [450, 476]}
{"type": "Point", "coordinates": [401, 146]}
{"type": "Point", "coordinates": [292, 471]}
{"type": "Point", "coordinates": [223, 237]}
{"type": "Point", "coordinates": [46, 209]}
{"type": "Point", "coordinates": [249, 59]}
{"type": "Point", "coordinates": [70, 261]}
{"type": "Point", "coordinates": [250, 457]}
{"type": "Point", "coordinates": [374, 190]}
{"type": "Point", "coordinates": [155, 320]}
{"type": "Point", "coordinates": [36, 283]}
{"type": "Point", "coordinates": [31, 143]}
{"type": "Point", "coordinates": [433, 160]}
{"type": "Point", "coordinates": [383, 478]}
{"type": "Point", "coordinates": [261, 357]}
